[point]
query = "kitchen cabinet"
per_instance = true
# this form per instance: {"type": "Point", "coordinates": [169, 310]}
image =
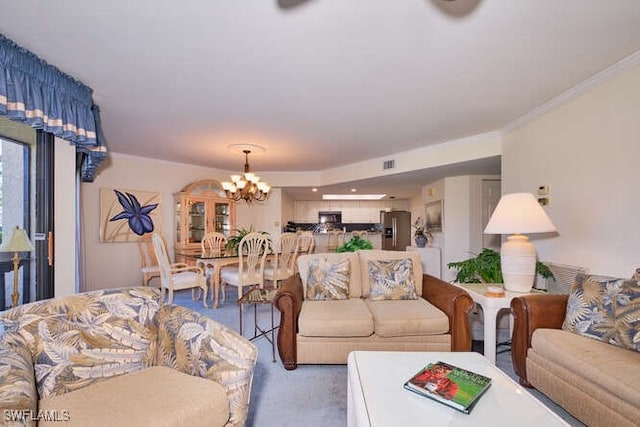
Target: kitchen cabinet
{"type": "Point", "coordinates": [353, 211]}
{"type": "Point", "coordinates": [307, 211]}
{"type": "Point", "coordinates": [200, 208]}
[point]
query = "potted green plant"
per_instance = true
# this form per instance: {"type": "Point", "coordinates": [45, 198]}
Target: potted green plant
{"type": "Point", "coordinates": [421, 235]}
{"type": "Point", "coordinates": [485, 268]}
{"type": "Point", "coordinates": [238, 234]}
{"type": "Point", "coordinates": [356, 243]}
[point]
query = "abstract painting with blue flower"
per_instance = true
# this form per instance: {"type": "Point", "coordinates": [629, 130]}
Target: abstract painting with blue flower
{"type": "Point", "coordinates": [138, 216]}
{"type": "Point", "coordinates": [127, 214]}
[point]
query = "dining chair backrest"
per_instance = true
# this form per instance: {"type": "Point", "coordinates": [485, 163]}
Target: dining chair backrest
{"type": "Point", "coordinates": [147, 253]}
{"type": "Point", "coordinates": [361, 233]}
{"type": "Point", "coordinates": [286, 252]}
{"type": "Point", "coordinates": [148, 261]}
{"type": "Point", "coordinates": [306, 242]}
{"type": "Point", "coordinates": [163, 259]}
{"type": "Point", "coordinates": [252, 252]}
{"type": "Point", "coordinates": [335, 238]}
{"type": "Point", "coordinates": [213, 244]}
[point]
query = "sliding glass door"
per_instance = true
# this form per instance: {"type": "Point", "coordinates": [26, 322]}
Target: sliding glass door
{"type": "Point", "coordinates": [26, 201]}
{"type": "Point", "coordinates": [15, 211]}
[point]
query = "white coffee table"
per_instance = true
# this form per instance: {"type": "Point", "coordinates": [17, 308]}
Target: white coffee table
{"type": "Point", "coordinates": [376, 397]}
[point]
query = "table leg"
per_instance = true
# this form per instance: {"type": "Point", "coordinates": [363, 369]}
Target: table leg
{"type": "Point", "coordinates": [240, 311]}
{"type": "Point", "coordinates": [216, 286]}
{"type": "Point", "coordinates": [490, 334]}
{"type": "Point", "coordinates": [273, 342]}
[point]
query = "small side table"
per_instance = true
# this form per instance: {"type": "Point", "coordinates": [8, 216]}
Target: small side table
{"type": "Point", "coordinates": [490, 308]}
{"type": "Point", "coordinates": [256, 296]}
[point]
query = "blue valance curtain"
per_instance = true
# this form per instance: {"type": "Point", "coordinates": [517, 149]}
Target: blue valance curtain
{"type": "Point", "coordinates": [40, 95]}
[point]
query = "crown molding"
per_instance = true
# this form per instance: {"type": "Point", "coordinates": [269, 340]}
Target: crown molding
{"type": "Point", "coordinates": [597, 79]}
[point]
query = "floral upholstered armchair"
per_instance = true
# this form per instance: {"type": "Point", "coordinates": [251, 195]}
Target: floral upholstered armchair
{"type": "Point", "coordinates": [121, 357]}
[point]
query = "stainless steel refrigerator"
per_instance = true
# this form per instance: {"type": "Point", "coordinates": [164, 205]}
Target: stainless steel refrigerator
{"type": "Point", "coordinates": [396, 230]}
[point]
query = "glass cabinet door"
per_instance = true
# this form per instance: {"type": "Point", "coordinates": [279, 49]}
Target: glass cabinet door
{"type": "Point", "coordinates": [178, 222]}
{"type": "Point", "coordinates": [222, 220]}
{"type": "Point", "coordinates": [196, 220]}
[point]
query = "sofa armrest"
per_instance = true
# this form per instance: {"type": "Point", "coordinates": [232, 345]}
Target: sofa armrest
{"type": "Point", "coordinates": [17, 386]}
{"type": "Point", "coordinates": [456, 303]}
{"type": "Point", "coordinates": [288, 300]}
{"type": "Point", "coordinates": [531, 312]}
{"type": "Point", "coordinates": [194, 344]}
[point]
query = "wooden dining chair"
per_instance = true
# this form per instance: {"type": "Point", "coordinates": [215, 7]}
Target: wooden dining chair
{"type": "Point", "coordinates": [212, 245]}
{"type": "Point", "coordinates": [284, 259]}
{"type": "Point", "coordinates": [335, 238]}
{"type": "Point", "coordinates": [175, 278]}
{"type": "Point", "coordinates": [148, 262]}
{"type": "Point", "coordinates": [306, 242]}
{"type": "Point", "coordinates": [252, 253]}
{"type": "Point", "coordinates": [363, 234]}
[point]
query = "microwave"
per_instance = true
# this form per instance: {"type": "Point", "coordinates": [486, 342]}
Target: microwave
{"type": "Point", "coordinates": [330, 217]}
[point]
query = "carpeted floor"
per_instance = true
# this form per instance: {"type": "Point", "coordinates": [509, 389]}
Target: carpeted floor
{"type": "Point", "coordinates": [312, 395]}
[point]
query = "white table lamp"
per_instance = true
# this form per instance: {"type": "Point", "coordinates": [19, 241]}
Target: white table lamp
{"type": "Point", "coordinates": [515, 214]}
{"type": "Point", "coordinates": [19, 242]}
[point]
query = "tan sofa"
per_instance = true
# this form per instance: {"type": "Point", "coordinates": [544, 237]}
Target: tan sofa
{"type": "Point", "coordinates": [324, 332]}
{"type": "Point", "coordinates": [120, 357]}
{"type": "Point", "coordinates": [596, 382]}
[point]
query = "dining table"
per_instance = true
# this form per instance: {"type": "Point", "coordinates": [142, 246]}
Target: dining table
{"type": "Point", "coordinates": [215, 263]}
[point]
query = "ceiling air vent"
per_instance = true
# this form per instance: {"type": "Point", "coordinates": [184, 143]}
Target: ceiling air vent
{"type": "Point", "coordinates": [388, 164]}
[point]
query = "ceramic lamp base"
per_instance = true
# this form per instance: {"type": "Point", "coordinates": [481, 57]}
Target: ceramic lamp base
{"type": "Point", "coordinates": [518, 262]}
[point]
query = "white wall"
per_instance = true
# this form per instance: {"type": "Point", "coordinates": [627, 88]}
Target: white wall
{"type": "Point", "coordinates": [65, 274]}
{"type": "Point", "coordinates": [263, 216]}
{"type": "Point", "coordinates": [109, 265]}
{"type": "Point", "coordinates": [448, 152]}
{"type": "Point", "coordinates": [588, 152]}
{"type": "Point", "coordinates": [287, 211]}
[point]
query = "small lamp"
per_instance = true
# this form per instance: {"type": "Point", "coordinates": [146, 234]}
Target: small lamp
{"type": "Point", "coordinates": [19, 242]}
{"type": "Point", "coordinates": [518, 213]}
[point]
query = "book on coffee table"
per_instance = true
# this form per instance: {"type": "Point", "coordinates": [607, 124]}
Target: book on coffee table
{"type": "Point", "coordinates": [448, 384]}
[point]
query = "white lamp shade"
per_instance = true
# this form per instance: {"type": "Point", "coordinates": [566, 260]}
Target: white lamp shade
{"type": "Point", "coordinates": [19, 242]}
{"type": "Point", "coordinates": [519, 213]}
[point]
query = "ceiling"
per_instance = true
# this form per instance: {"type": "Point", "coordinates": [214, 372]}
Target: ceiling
{"type": "Point", "coordinates": [318, 83]}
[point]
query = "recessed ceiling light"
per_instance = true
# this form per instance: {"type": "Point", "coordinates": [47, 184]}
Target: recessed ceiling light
{"type": "Point", "coordinates": [352, 196]}
{"type": "Point", "coordinates": [353, 190]}
{"type": "Point", "coordinates": [315, 190]}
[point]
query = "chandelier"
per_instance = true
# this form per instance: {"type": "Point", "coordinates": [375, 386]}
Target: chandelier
{"type": "Point", "coordinates": [247, 186]}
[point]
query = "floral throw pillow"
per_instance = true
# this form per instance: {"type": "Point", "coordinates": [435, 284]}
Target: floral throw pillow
{"type": "Point", "coordinates": [605, 309]}
{"type": "Point", "coordinates": [392, 279]}
{"type": "Point", "coordinates": [328, 280]}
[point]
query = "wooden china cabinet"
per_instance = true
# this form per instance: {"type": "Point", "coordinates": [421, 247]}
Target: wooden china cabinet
{"type": "Point", "coordinates": [201, 207]}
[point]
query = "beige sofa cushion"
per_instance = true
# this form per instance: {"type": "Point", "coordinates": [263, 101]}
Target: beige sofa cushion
{"type": "Point", "coordinates": [340, 318]}
{"type": "Point", "coordinates": [328, 280]}
{"type": "Point", "coordinates": [156, 396]}
{"type": "Point", "coordinates": [370, 255]}
{"type": "Point", "coordinates": [391, 280]}
{"type": "Point", "coordinates": [355, 283]}
{"type": "Point", "coordinates": [612, 368]}
{"type": "Point", "coordinates": [407, 317]}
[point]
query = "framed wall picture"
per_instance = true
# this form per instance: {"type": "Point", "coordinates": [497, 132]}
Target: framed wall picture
{"type": "Point", "coordinates": [433, 215]}
{"type": "Point", "coordinates": [125, 215]}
